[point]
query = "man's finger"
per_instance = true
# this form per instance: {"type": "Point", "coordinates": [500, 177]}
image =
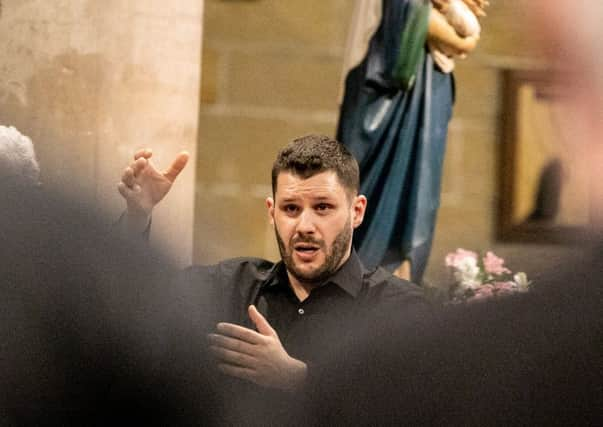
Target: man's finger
{"type": "Point", "coordinates": [229, 343]}
{"type": "Point", "coordinates": [121, 187]}
{"type": "Point", "coordinates": [239, 332]}
{"type": "Point", "coordinates": [176, 167]}
{"type": "Point", "coordinates": [232, 357]}
{"type": "Point", "coordinates": [127, 177]}
{"type": "Point", "coordinates": [128, 193]}
{"type": "Point", "coordinates": [138, 165]}
{"type": "Point", "coordinates": [260, 322]}
{"type": "Point", "coordinates": [143, 153]}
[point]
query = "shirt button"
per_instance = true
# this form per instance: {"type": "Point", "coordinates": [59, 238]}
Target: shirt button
{"type": "Point", "coordinates": [301, 311]}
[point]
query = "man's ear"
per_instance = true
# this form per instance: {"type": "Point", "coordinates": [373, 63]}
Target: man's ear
{"type": "Point", "coordinates": [270, 206]}
{"type": "Point", "coordinates": [359, 208]}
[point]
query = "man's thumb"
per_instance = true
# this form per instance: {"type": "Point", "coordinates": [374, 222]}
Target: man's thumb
{"type": "Point", "coordinates": [260, 321]}
{"type": "Point", "coordinates": [177, 165]}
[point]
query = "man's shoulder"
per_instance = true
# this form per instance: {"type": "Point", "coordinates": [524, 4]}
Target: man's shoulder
{"type": "Point", "coordinates": [384, 285]}
{"type": "Point", "coordinates": [257, 267]}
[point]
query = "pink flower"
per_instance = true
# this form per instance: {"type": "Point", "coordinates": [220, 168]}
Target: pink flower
{"type": "Point", "coordinates": [503, 288]}
{"type": "Point", "coordinates": [482, 293]}
{"type": "Point", "coordinates": [455, 259]}
{"type": "Point", "coordinates": [494, 264]}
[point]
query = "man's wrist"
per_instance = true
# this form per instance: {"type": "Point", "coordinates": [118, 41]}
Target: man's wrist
{"type": "Point", "coordinates": [137, 222]}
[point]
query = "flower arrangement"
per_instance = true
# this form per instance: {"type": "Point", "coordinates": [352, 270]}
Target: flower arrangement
{"type": "Point", "coordinates": [477, 278]}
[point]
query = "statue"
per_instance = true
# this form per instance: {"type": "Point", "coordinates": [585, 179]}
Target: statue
{"type": "Point", "coordinates": [394, 118]}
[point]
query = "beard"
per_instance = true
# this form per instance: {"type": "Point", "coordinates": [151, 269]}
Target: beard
{"type": "Point", "coordinates": [333, 257]}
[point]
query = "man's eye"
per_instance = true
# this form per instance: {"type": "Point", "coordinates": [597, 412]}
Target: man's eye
{"type": "Point", "coordinates": [290, 208]}
{"type": "Point", "coordinates": [323, 206]}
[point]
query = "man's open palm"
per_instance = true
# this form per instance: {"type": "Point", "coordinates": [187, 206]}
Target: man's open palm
{"type": "Point", "coordinates": [143, 185]}
{"type": "Point", "coordinates": [256, 356]}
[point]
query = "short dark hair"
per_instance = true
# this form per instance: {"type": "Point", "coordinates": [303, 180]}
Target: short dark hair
{"type": "Point", "coordinates": [312, 154]}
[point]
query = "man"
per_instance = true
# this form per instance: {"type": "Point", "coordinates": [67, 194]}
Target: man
{"type": "Point", "coordinates": [318, 283]}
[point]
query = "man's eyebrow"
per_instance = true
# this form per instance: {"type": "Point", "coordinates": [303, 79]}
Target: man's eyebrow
{"type": "Point", "coordinates": [288, 199]}
{"type": "Point", "coordinates": [320, 197]}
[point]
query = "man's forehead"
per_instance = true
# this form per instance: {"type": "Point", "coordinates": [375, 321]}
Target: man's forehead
{"type": "Point", "coordinates": [322, 184]}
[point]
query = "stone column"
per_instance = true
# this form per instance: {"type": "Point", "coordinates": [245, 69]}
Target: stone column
{"type": "Point", "coordinates": [90, 82]}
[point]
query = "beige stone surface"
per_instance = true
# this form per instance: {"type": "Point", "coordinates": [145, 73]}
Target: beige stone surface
{"type": "Point", "coordinates": [232, 223]}
{"type": "Point", "coordinates": [92, 81]}
{"type": "Point", "coordinates": [298, 81]}
{"type": "Point", "coordinates": [211, 75]}
{"type": "Point", "coordinates": [238, 148]}
{"type": "Point", "coordinates": [469, 164]}
{"type": "Point", "coordinates": [507, 32]}
{"type": "Point", "coordinates": [265, 23]}
{"type": "Point", "coordinates": [478, 89]}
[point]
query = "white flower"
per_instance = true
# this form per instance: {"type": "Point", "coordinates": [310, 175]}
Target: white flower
{"type": "Point", "coordinates": [467, 272]}
{"type": "Point", "coordinates": [521, 279]}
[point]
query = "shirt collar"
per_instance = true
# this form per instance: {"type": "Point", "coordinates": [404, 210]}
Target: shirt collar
{"type": "Point", "coordinates": [348, 277]}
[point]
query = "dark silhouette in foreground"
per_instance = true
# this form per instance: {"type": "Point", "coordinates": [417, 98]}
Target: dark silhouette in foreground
{"type": "Point", "coordinates": [529, 359]}
{"type": "Point", "coordinates": [95, 331]}
{"type": "Point", "coordinates": [84, 319]}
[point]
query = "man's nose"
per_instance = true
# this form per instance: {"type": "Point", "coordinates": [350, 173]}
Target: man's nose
{"type": "Point", "coordinates": [306, 224]}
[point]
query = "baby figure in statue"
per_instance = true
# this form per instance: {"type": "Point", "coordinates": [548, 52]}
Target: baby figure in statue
{"type": "Point", "coordinates": [464, 21]}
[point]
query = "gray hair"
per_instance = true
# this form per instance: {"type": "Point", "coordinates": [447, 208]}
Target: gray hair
{"type": "Point", "coordinates": [17, 158]}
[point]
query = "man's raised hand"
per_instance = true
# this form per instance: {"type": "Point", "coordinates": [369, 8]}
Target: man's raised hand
{"type": "Point", "coordinates": [143, 185]}
{"type": "Point", "coordinates": [258, 357]}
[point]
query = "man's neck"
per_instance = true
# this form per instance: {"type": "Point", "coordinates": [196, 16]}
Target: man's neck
{"type": "Point", "coordinates": [302, 289]}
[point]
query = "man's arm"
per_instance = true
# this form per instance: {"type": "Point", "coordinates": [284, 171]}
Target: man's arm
{"type": "Point", "coordinates": [258, 357]}
{"type": "Point", "coordinates": [142, 185]}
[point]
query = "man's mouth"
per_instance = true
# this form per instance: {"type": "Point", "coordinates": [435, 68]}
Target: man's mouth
{"type": "Point", "coordinates": [306, 250]}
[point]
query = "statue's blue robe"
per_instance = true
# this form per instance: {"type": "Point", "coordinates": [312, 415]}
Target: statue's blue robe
{"type": "Point", "coordinates": [398, 137]}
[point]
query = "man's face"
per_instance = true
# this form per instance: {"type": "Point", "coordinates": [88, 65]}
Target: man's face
{"type": "Point", "coordinates": [313, 220]}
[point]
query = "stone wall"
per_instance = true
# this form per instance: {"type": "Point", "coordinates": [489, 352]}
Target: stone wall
{"type": "Point", "coordinates": [91, 81]}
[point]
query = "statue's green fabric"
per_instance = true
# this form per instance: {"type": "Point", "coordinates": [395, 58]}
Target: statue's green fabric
{"type": "Point", "coordinates": [412, 44]}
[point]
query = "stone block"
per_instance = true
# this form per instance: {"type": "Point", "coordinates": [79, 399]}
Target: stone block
{"type": "Point", "coordinates": [469, 165]}
{"type": "Point", "coordinates": [297, 81]}
{"type": "Point", "coordinates": [228, 226]}
{"type": "Point", "coordinates": [477, 91]}
{"type": "Point", "coordinates": [241, 149]}
{"type": "Point", "coordinates": [320, 24]}
{"type": "Point", "coordinates": [210, 78]}
{"type": "Point", "coordinates": [507, 32]}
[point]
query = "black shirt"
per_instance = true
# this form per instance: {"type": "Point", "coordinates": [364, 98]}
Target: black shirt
{"type": "Point", "coordinates": [310, 331]}
{"type": "Point", "coordinates": [305, 328]}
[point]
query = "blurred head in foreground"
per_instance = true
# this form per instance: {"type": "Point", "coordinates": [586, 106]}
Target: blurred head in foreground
{"type": "Point", "coordinates": [18, 163]}
{"type": "Point", "coordinates": [570, 33]}
{"type": "Point", "coordinates": [83, 318]}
